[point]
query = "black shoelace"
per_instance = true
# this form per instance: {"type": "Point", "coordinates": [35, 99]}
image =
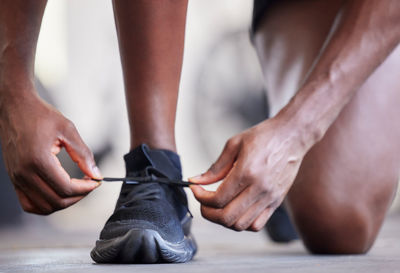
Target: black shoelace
{"type": "Point", "coordinates": [133, 180]}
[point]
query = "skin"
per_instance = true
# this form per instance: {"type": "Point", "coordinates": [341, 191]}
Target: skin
{"type": "Point", "coordinates": [346, 181]}
{"type": "Point", "coordinates": [151, 38]}
{"type": "Point", "coordinates": [32, 132]}
{"type": "Point", "coordinates": [321, 140]}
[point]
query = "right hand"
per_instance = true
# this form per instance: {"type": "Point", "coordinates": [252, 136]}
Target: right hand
{"type": "Point", "coordinates": [32, 133]}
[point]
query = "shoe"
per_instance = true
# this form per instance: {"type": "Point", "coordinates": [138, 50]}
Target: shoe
{"type": "Point", "coordinates": [279, 227]}
{"type": "Point", "coordinates": [151, 221]}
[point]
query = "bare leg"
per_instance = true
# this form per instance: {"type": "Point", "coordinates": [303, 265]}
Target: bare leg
{"type": "Point", "coordinates": [151, 36]}
{"type": "Point", "coordinates": [347, 181]}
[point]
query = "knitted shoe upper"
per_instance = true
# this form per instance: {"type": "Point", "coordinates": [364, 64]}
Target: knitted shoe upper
{"type": "Point", "coordinates": [155, 206]}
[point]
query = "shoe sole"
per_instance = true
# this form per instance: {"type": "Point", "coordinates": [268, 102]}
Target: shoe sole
{"type": "Point", "coordinates": [143, 246]}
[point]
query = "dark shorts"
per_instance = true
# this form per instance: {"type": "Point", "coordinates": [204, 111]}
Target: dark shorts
{"type": "Point", "coordinates": [259, 9]}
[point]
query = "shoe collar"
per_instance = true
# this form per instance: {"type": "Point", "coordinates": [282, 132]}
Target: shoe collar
{"type": "Point", "coordinates": [143, 158]}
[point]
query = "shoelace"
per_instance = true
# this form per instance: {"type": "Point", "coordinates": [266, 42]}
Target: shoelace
{"type": "Point", "coordinates": [146, 179]}
{"type": "Point", "coordinates": [137, 188]}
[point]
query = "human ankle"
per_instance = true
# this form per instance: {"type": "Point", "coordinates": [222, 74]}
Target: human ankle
{"type": "Point", "coordinates": [154, 144]}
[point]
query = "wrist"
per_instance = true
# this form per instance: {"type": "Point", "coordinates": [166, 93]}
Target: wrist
{"type": "Point", "coordinates": [16, 76]}
{"type": "Point", "coordinates": [303, 122]}
{"type": "Point", "coordinates": [14, 93]}
{"type": "Point", "coordinates": [17, 60]}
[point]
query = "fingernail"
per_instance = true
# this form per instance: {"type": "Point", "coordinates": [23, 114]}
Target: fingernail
{"type": "Point", "coordinates": [98, 184]}
{"type": "Point", "coordinates": [96, 172]}
{"type": "Point", "coordinates": [194, 178]}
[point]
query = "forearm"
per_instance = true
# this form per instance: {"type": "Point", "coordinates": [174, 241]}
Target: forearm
{"type": "Point", "coordinates": [20, 22]}
{"type": "Point", "coordinates": [366, 34]}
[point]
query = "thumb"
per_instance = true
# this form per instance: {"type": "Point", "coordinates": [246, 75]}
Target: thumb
{"type": "Point", "coordinates": [221, 167]}
{"type": "Point", "coordinates": [80, 152]}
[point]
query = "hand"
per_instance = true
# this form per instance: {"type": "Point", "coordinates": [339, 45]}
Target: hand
{"type": "Point", "coordinates": [258, 167]}
{"type": "Point", "coordinates": [32, 134]}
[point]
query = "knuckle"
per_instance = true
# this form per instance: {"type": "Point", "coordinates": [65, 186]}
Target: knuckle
{"type": "Point", "coordinates": [213, 168]}
{"type": "Point", "coordinates": [249, 174]}
{"type": "Point", "coordinates": [21, 180]}
{"type": "Point", "coordinates": [263, 188]}
{"type": "Point", "coordinates": [39, 211]}
{"type": "Point", "coordinates": [239, 226]}
{"type": "Point", "coordinates": [69, 126]}
{"type": "Point", "coordinates": [229, 144]}
{"type": "Point", "coordinates": [31, 162]}
{"type": "Point", "coordinates": [256, 227]}
{"type": "Point", "coordinates": [35, 160]}
{"type": "Point", "coordinates": [275, 198]}
{"type": "Point", "coordinates": [226, 219]}
{"type": "Point", "coordinates": [219, 202]}
{"type": "Point", "coordinates": [232, 142]}
{"type": "Point", "coordinates": [203, 212]}
{"type": "Point", "coordinates": [27, 208]}
{"type": "Point", "coordinates": [17, 175]}
{"type": "Point", "coordinates": [46, 211]}
{"type": "Point", "coordinates": [60, 204]}
{"type": "Point", "coordinates": [65, 192]}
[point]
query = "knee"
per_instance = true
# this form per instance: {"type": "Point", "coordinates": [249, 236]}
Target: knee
{"type": "Point", "coordinates": [336, 230]}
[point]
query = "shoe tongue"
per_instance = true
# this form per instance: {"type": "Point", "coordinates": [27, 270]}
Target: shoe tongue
{"type": "Point", "coordinates": [164, 161]}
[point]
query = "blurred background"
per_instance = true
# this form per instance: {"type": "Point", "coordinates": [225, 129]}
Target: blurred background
{"type": "Point", "coordinates": [78, 71]}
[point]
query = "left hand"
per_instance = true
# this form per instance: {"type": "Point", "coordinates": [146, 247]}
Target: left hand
{"type": "Point", "coordinates": [258, 167]}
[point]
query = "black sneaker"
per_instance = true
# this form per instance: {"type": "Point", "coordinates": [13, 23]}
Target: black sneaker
{"type": "Point", "coordinates": [151, 222]}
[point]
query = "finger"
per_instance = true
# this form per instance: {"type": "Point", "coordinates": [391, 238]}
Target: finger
{"type": "Point", "coordinates": [230, 214]}
{"type": "Point", "coordinates": [201, 194]}
{"type": "Point", "coordinates": [211, 198]}
{"type": "Point", "coordinates": [26, 204]}
{"type": "Point", "coordinates": [38, 204]}
{"type": "Point", "coordinates": [80, 152]}
{"type": "Point", "coordinates": [52, 173]}
{"type": "Point", "coordinates": [261, 220]}
{"type": "Point", "coordinates": [221, 167]}
{"type": "Point", "coordinates": [245, 221]}
{"type": "Point", "coordinates": [83, 186]}
{"type": "Point", "coordinates": [231, 187]}
{"type": "Point", "coordinates": [57, 202]}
